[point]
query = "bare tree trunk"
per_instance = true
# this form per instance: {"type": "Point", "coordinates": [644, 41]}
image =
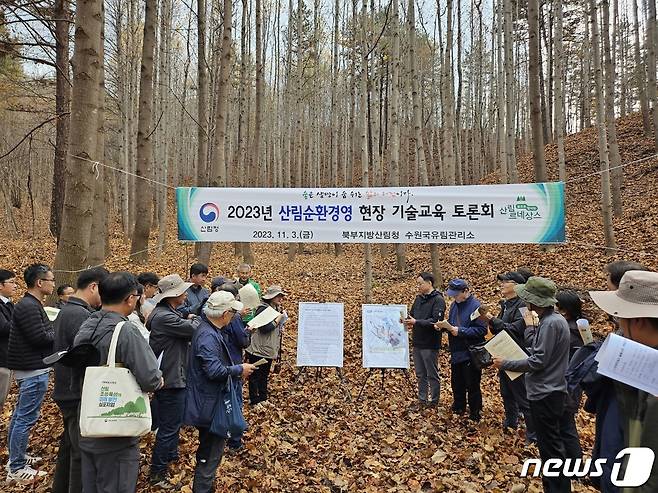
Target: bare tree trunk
{"type": "Point", "coordinates": [559, 92]}
{"type": "Point", "coordinates": [613, 145]}
{"type": "Point", "coordinates": [651, 66]}
{"type": "Point", "coordinates": [144, 197]}
{"type": "Point", "coordinates": [202, 250]}
{"type": "Point", "coordinates": [640, 73]}
{"type": "Point", "coordinates": [510, 83]}
{"type": "Point", "coordinates": [534, 92]}
{"type": "Point", "coordinates": [98, 233]}
{"type": "Point", "coordinates": [62, 16]}
{"type": "Point", "coordinates": [394, 174]}
{"type": "Point", "coordinates": [79, 198]}
{"type": "Point", "coordinates": [603, 141]}
{"type": "Point", "coordinates": [363, 142]}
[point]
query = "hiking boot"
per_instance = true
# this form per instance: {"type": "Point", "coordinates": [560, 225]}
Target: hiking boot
{"type": "Point", "coordinates": [160, 481]}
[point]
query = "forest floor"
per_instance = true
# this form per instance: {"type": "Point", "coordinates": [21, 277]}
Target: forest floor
{"type": "Point", "coordinates": [308, 438]}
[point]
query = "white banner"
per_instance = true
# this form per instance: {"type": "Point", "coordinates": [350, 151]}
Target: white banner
{"type": "Point", "coordinates": [385, 340]}
{"type": "Point", "coordinates": [320, 334]}
{"type": "Point", "coordinates": [518, 213]}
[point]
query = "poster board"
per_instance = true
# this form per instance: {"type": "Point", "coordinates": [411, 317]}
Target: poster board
{"type": "Point", "coordinates": [385, 340]}
{"type": "Point", "coordinates": [320, 334]}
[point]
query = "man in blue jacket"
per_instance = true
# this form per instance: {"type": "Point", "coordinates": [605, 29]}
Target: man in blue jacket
{"type": "Point", "coordinates": [209, 368]}
{"type": "Point", "coordinates": [464, 331]}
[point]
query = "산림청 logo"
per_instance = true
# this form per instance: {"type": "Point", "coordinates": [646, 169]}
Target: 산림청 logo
{"type": "Point", "coordinates": [209, 212]}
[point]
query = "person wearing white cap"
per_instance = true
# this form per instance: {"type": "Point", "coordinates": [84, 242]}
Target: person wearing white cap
{"type": "Point", "coordinates": [635, 307]}
{"type": "Point", "coordinates": [170, 340]}
{"type": "Point", "coordinates": [209, 368]}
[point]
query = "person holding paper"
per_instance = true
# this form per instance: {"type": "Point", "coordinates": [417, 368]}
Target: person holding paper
{"type": "Point", "coordinates": [265, 343]}
{"type": "Point", "coordinates": [210, 367]}
{"type": "Point", "coordinates": [510, 320]}
{"type": "Point", "coordinates": [546, 385]}
{"type": "Point", "coordinates": [464, 331]}
{"type": "Point", "coordinates": [429, 307]}
{"type": "Point", "coordinates": [170, 340]}
{"type": "Point", "coordinates": [635, 306]}
{"type": "Point", "coordinates": [244, 278]}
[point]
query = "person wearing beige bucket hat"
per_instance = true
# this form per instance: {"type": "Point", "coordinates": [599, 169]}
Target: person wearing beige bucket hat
{"type": "Point", "coordinates": [545, 370]}
{"type": "Point", "coordinates": [266, 343]}
{"type": "Point", "coordinates": [635, 308]}
{"type": "Point", "coordinates": [170, 336]}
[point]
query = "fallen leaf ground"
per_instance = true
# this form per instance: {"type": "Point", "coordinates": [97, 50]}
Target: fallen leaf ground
{"type": "Point", "coordinates": [308, 437]}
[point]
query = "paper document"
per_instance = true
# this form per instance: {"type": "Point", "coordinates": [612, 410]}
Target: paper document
{"type": "Point", "coordinates": [629, 362]}
{"type": "Point", "coordinates": [263, 318]}
{"type": "Point", "coordinates": [320, 334]}
{"type": "Point", "coordinates": [249, 296]}
{"type": "Point", "coordinates": [503, 346]}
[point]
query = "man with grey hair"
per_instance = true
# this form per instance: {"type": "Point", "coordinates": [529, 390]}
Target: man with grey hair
{"type": "Point", "coordinates": [210, 367]}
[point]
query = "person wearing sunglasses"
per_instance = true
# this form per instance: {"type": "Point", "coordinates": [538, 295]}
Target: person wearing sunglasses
{"type": "Point", "coordinates": [30, 340]}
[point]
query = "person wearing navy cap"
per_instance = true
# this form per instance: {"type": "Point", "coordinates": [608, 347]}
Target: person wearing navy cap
{"type": "Point", "coordinates": [464, 331]}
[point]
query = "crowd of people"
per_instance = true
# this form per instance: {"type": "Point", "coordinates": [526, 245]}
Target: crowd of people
{"type": "Point", "coordinates": [184, 342]}
{"type": "Point", "coordinates": [557, 370]}
{"type": "Point", "coordinates": [181, 342]}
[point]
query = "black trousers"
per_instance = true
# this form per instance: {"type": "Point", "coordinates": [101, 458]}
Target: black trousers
{"type": "Point", "coordinates": [465, 380]}
{"type": "Point", "coordinates": [208, 456]}
{"type": "Point", "coordinates": [68, 476]}
{"type": "Point", "coordinates": [550, 419]}
{"type": "Point", "coordinates": [258, 380]}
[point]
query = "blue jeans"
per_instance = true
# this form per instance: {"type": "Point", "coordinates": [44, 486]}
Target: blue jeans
{"type": "Point", "coordinates": [31, 392]}
{"type": "Point", "coordinates": [171, 406]}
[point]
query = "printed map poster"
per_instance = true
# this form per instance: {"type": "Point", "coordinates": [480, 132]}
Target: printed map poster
{"type": "Point", "coordinates": [320, 334]}
{"type": "Point", "coordinates": [385, 340]}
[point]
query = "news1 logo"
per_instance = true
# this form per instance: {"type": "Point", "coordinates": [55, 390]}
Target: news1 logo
{"type": "Point", "coordinates": [639, 463]}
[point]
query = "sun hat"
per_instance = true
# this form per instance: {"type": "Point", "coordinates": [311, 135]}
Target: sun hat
{"type": "Point", "coordinates": [272, 292]}
{"type": "Point", "coordinates": [637, 296]}
{"type": "Point", "coordinates": [171, 286]}
{"type": "Point", "coordinates": [538, 290]}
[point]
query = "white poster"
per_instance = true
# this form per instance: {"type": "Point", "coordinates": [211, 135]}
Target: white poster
{"type": "Point", "coordinates": [320, 334]}
{"type": "Point", "coordinates": [514, 213]}
{"type": "Point", "coordinates": [385, 340]}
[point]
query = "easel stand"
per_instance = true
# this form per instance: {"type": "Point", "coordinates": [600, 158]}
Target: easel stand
{"type": "Point", "coordinates": [318, 374]}
{"type": "Point", "coordinates": [405, 371]}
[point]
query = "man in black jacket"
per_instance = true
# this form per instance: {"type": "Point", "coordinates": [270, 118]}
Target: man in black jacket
{"type": "Point", "coordinates": [170, 340]}
{"type": "Point", "coordinates": [7, 290]}
{"type": "Point", "coordinates": [511, 320]}
{"type": "Point", "coordinates": [429, 307]}
{"type": "Point", "coordinates": [30, 340]}
{"type": "Point", "coordinates": [68, 391]}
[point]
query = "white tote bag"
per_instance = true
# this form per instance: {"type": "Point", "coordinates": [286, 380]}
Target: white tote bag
{"type": "Point", "coordinates": [113, 404]}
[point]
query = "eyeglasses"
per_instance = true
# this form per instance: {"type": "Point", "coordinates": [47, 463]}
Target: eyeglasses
{"type": "Point", "coordinates": [133, 295]}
